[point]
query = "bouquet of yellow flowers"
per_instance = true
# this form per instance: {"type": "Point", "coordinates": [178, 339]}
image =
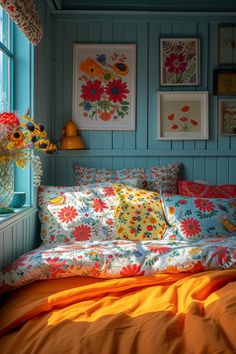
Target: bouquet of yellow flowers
{"type": "Point", "coordinates": [19, 139]}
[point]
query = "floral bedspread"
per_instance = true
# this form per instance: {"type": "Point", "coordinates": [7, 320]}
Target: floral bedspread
{"type": "Point", "coordinates": [118, 258]}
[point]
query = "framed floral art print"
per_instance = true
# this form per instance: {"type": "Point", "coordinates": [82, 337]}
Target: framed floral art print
{"type": "Point", "coordinates": [179, 61]}
{"type": "Point", "coordinates": [227, 43]}
{"type": "Point", "coordinates": [104, 86]}
{"type": "Point", "coordinates": [227, 116]}
{"type": "Point", "coordinates": [182, 115]}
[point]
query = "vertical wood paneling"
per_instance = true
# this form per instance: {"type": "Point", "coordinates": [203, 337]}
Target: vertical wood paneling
{"type": "Point", "coordinates": [222, 170]}
{"type": "Point", "coordinates": [18, 238]}
{"type": "Point", "coordinates": [142, 86]}
{"type": "Point", "coordinates": [118, 37]}
{"type": "Point", "coordinates": [146, 35]}
{"type": "Point", "coordinates": [211, 170]}
{"type": "Point", "coordinates": [154, 83]}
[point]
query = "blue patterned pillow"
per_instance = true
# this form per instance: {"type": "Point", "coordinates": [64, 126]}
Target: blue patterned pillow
{"type": "Point", "coordinates": [198, 218]}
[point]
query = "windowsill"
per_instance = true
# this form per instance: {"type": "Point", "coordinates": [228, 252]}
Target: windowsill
{"type": "Point", "coordinates": [19, 213]}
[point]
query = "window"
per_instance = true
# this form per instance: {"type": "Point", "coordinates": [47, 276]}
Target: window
{"type": "Point", "coordinates": [16, 85]}
{"type": "Point", "coordinates": [6, 62]}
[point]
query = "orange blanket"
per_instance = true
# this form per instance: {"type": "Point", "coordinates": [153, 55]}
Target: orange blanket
{"type": "Point", "coordinates": [162, 314]}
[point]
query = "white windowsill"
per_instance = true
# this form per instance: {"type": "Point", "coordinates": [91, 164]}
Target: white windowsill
{"type": "Point", "coordinates": [19, 213]}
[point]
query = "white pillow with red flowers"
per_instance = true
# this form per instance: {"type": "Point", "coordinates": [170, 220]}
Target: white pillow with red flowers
{"type": "Point", "coordinates": [86, 214]}
{"type": "Point", "coordinates": [198, 218]}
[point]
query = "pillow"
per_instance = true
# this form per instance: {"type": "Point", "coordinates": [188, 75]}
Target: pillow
{"type": "Point", "coordinates": [164, 178]}
{"type": "Point", "coordinates": [84, 175]}
{"type": "Point", "coordinates": [194, 189]}
{"type": "Point", "coordinates": [51, 231]}
{"type": "Point", "coordinates": [70, 214]}
{"type": "Point", "coordinates": [155, 178]}
{"type": "Point", "coordinates": [198, 218]}
{"type": "Point", "coordinates": [138, 215]}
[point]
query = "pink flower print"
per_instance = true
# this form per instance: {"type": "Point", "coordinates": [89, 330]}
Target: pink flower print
{"type": "Point", "coordinates": [176, 63]}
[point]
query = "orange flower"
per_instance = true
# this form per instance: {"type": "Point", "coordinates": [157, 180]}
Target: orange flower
{"type": "Point", "coordinates": [105, 116]}
{"type": "Point", "coordinates": [17, 137]}
{"type": "Point", "coordinates": [67, 214]}
{"type": "Point", "coordinates": [121, 68]}
{"type": "Point", "coordinates": [90, 67]}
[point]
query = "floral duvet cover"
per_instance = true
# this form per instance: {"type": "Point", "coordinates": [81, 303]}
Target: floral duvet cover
{"type": "Point", "coordinates": [115, 259]}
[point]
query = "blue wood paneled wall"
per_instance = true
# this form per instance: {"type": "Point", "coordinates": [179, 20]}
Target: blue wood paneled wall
{"type": "Point", "coordinates": [213, 160]}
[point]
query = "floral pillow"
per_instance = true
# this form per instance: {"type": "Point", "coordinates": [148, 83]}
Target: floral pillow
{"type": "Point", "coordinates": [51, 231]}
{"type": "Point", "coordinates": [139, 215]}
{"type": "Point", "coordinates": [85, 175]}
{"type": "Point", "coordinates": [194, 189]}
{"type": "Point", "coordinates": [84, 213]}
{"type": "Point", "coordinates": [198, 218]}
{"type": "Point", "coordinates": [163, 178]}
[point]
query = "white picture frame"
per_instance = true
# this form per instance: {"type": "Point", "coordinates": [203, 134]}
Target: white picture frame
{"type": "Point", "coordinates": [104, 86]}
{"type": "Point", "coordinates": [182, 115]}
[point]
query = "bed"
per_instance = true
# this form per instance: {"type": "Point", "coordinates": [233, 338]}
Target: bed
{"type": "Point", "coordinates": [162, 289]}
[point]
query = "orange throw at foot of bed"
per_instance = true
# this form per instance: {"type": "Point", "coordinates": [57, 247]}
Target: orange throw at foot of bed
{"type": "Point", "coordinates": [162, 314]}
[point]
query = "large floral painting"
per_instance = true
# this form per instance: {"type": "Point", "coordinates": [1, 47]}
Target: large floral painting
{"type": "Point", "coordinates": [179, 61]}
{"type": "Point", "coordinates": [104, 86]}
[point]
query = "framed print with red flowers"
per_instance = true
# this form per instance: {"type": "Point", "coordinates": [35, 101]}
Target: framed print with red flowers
{"type": "Point", "coordinates": [179, 61]}
{"type": "Point", "coordinates": [104, 86]}
{"type": "Point", "coordinates": [227, 116]}
{"type": "Point", "coordinates": [182, 115]}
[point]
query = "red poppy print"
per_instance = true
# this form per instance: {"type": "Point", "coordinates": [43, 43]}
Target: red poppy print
{"type": "Point", "coordinates": [82, 233]}
{"type": "Point", "coordinates": [185, 108]}
{"type": "Point", "coordinates": [92, 91]}
{"type": "Point", "coordinates": [184, 119]}
{"type": "Point", "coordinates": [171, 116]}
{"type": "Point", "coordinates": [194, 122]}
{"type": "Point", "coordinates": [175, 126]}
{"type": "Point", "coordinates": [116, 90]}
{"type": "Point", "coordinates": [99, 205]}
{"type": "Point", "coordinates": [67, 214]}
{"type": "Point", "coordinates": [131, 270]}
{"type": "Point", "coordinates": [204, 205]}
{"type": "Point", "coordinates": [190, 227]}
{"type": "Point", "coordinates": [176, 63]}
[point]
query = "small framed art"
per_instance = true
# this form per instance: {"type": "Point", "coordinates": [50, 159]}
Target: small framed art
{"type": "Point", "coordinates": [179, 61]}
{"type": "Point", "coordinates": [227, 43]}
{"type": "Point", "coordinates": [224, 82]}
{"type": "Point", "coordinates": [104, 79]}
{"type": "Point", "coordinates": [227, 117]}
{"type": "Point", "coordinates": [182, 115]}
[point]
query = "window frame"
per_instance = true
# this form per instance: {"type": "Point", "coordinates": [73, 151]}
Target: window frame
{"type": "Point", "coordinates": [9, 52]}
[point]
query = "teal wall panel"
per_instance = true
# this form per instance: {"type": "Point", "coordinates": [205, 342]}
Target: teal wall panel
{"type": "Point", "coordinates": [18, 236]}
{"type": "Point", "coordinates": [212, 160]}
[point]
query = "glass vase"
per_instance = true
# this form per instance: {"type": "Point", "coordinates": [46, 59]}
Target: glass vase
{"type": "Point", "coordinates": [6, 183]}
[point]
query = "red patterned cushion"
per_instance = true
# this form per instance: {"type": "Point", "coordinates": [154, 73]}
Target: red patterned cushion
{"type": "Point", "coordinates": [194, 189]}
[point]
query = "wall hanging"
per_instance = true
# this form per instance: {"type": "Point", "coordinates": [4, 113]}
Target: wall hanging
{"type": "Point", "coordinates": [179, 61]}
{"type": "Point", "coordinates": [227, 44]}
{"type": "Point", "coordinates": [227, 117]}
{"type": "Point", "coordinates": [182, 115]}
{"type": "Point", "coordinates": [224, 82]}
{"type": "Point", "coordinates": [104, 86]}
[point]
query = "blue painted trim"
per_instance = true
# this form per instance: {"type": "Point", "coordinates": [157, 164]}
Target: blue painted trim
{"type": "Point", "coordinates": [6, 50]}
{"type": "Point", "coordinates": [145, 153]}
{"type": "Point", "coordinates": [84, 16]}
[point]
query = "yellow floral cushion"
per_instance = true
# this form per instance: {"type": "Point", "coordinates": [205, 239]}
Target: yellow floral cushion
{"type": "Point", "coordinates": [138, 215]}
